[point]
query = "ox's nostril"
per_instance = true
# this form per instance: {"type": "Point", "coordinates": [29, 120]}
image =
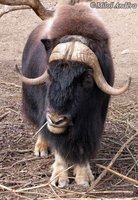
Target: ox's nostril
{"type": "Point", "coordinates": [60, 121]}
{"type": "Point", "coordinates": [56, 120]}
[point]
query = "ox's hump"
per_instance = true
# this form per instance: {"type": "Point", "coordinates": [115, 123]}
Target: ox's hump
{"type": "Point", "coordinates": [80, 19]}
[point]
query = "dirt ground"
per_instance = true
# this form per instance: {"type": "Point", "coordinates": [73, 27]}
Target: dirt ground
{"type": "Point", "coordinates": [19, 168]}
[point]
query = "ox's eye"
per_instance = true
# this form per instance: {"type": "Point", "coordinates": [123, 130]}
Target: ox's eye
{"type": "Point", "coordinates": [87, 81]}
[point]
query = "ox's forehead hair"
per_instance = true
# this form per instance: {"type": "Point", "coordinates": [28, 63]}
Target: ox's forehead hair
{"type": "Point", "coordinates": [65, 73]}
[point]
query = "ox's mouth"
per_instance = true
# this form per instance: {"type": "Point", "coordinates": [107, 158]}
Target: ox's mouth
{"type": "Point", "coordinates": [57, 124]}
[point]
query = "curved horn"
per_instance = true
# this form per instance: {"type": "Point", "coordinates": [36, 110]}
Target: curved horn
{"type": "Point", "coordinates": [32, 81]}
{"type": "Point", "coordinates": [77, 51]}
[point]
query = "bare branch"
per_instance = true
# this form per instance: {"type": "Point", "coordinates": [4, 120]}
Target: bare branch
{"type": "Point", "coordinates": [10, 84]}
{"type": "Point", "coordinates": [113, 160]}
{"type": "Point", "coordinates": [6, 9]}
{"type": "Point", "coordinates": [14, 2]}
{"type": "Point", "coordinates": [118, 174]}
{"type": "Point", "coordinates": [36, 5]}
{"type": "Point", "coordinates": [4, 115]}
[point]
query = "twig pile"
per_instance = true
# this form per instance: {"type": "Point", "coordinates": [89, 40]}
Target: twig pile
{"type": "Point", "coordinates": [25, 176]}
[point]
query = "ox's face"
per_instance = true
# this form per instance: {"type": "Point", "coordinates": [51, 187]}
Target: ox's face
{"type": "Point", "coordinates": [67, 90]}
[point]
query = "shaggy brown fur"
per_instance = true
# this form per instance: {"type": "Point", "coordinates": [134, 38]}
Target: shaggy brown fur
{"type": "Point", "coordinates": [80, 19]}
{"type": "Point", "coordinates": [70, 89]}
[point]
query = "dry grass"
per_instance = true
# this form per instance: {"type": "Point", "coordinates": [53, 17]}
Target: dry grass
{"type": "Point", "coordinates": [24, 176]}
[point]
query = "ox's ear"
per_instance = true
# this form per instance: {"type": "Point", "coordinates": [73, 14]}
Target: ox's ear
{"type": "Point", "coordinates": [47, 43]}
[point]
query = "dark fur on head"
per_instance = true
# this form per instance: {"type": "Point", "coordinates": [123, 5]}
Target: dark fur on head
{"type": "Point", "coordinates": [70, 89]}
{"type": "Point", "coordinates": [74, 93]}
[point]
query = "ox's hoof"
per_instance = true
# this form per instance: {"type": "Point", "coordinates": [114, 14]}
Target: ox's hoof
{"type": "Point", "coordinates": [59, 175]}
{"type": "Point", "coordinates": [59, 180]}
{"type": "Point", "coordinates": [84, 176]}
{"type": "Point", "coordinates": [41, 147]}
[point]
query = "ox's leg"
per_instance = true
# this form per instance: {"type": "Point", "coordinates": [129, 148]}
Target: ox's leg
{"type": "Point", "coordinates": [59, 175]}
{"type": "Point", "coordinates": [84, 175]}
{"type": "Point", "coordinates": [41, 146]}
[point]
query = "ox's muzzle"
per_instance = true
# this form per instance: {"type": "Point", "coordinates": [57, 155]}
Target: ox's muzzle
{"type": "Point", "coordinates": [57, 124]}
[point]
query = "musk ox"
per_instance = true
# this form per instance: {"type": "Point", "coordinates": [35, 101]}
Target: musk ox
{"type": "Point", "coordinates": [68, 79]}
